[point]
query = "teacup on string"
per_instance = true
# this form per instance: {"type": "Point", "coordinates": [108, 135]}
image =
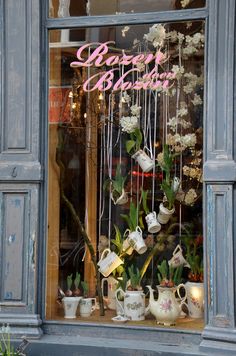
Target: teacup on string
{"type": "Point", "coordinates": [178, 258]}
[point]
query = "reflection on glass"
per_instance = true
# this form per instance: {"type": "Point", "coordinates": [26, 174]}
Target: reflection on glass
{"type": "Point", "coordinates": [65, 8]}
{"type": "Point", "coordinates": [125, 166]}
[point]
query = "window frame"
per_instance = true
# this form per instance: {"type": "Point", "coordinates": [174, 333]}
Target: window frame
{"type": "Point", "coordinates": [103, 21]}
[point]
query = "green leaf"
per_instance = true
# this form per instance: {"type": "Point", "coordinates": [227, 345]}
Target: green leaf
{"type": "Point", "coordinates": [130, 144]}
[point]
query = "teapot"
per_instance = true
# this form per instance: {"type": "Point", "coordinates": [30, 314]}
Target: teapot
{"type": "Point", "coordinates": [166, 308]}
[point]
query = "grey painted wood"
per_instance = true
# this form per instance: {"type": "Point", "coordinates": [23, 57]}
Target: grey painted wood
{"type": "Point", "coordinates": [219, 335]}
{"type": "Point", "coordinates": [20, 168]}
{"type": "Point", "coordinates": [20, 96]}
{"type": "Point", "coordinates": [19, 233]}
{"type": "Point", "coordinates": [219, 165]}
{"type": "Point", "coordinates": [127, 19]}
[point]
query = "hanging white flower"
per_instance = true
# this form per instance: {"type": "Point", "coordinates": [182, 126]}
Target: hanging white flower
{"type": "Point", "coordinates": [156, 35]}
{"type": "Point", "coordinates": [124, 30]}
{"type": "Point", "coordinates": [125, 98]}
{"type": "Point", "coordinates": [196, 100]}
{"type": "Point", "coordinates": [190, 197]}
{"type": "Point", "coordinates": [140, 66]}
{"type": "Point", "coordinates": [175, 184]}
{"type": "Point", "coordinates": [178, 71]}
{"type": "Point", "coordinates": [172, 36]}
{"type": "Point", "coordinates": [182, 112]}
{"type": "Point", "coordinates": [129, 123]}
{"type": "Point", "coordinates": [188, 140]}
{"type": "Point", "coordinates": [135, 110]}
{"type": "Point", "coordinates": [185, 3]}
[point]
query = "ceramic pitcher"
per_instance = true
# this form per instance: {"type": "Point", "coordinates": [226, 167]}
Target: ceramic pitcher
{"type": "Point", "coordinates": [134, 304]}
{"type": "Point", "coordinates": [110, 298]}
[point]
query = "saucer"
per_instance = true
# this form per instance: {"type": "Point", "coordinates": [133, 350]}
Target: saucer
{"type": "Point", "coordinates": [120, 319]}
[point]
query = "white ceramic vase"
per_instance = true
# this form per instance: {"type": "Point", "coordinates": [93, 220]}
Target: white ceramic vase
{"type": "Point", "coordinates": [164, 214]}
{"type": "Point", "coordinates": [134, 304]}
{"type": "Point", "coordinates": [195, 299]}
{"type": "Point", "coordinates": [70, 305]}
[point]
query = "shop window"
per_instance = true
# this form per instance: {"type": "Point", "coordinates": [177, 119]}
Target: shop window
{"type": "Point", "coordinates": [66, 8]}
{"type": "Point", "coordinates": [125, 175]}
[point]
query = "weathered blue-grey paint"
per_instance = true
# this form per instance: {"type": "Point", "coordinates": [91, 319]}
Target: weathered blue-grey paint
{"type": "Point", "coordinates": [220, 177]}
{"type": "Point", "coordinates": [20, 170]}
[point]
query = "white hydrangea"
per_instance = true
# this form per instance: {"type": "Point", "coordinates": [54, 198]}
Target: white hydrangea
{"type": "Point", "coordinates": [182, 112]}
{"type": "Point", "coordinates": [135, 110]}
{"type": "Point", "coordinates": [190, 197]}
{"type": "Point", "coordinates": [125, 98]}
{"type": "Point", "coordinates": [178, 71]}
{"type": "Point", "coordinates": [129, 123]}
{"type": "Point", "coordinates": [156, 35]}
{"type": "Point", "coordinates": [188, 140]}
{"type": "Point", "coordinates": [196, 100]}
{"type": "Point", "coordinates": [172, 36]}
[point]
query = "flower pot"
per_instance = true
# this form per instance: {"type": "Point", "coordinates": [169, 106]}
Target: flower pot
{"type": "Point", "coordinates": [70, 305]}
{"type": "Point", "coordinates": [164, 214]}
{"type": "Point", "coordinates": [152, 223]}
{"type": "Point", "coordinates": [122, 199]}
{"type": "Point", "coordinates": [145, 162]}
{"type": "Point", "coordinates": [195, 299]}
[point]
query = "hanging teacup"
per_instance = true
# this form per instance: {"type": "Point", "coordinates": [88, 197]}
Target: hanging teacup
{"type": "Point", "coordinates": [145, 162]}
{"type": "Point", "coordinates": [152, 223]}
{"type": "Point", "coordinates": [122, 199]}
{"type": "Point", "coordinates": [178, 258]}
{"type": "Point", "coordinates": [108, 263]}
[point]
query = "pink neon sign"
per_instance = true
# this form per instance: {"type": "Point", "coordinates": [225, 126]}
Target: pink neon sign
{"type": "Point", "coordinates": [104, 80]}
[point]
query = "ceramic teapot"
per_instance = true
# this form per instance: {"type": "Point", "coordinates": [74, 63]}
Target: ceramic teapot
{"type": "Point", "coordinates": [166, 309]}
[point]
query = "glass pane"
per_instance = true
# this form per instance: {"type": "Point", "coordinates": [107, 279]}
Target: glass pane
{"type": "Point", "coordinates": [65, 8]}
{"type": "Point", "coordinates": [125, 172]}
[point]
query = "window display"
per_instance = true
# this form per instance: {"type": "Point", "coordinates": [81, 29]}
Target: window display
{"type": "Point", "coordinates": [125, 240]}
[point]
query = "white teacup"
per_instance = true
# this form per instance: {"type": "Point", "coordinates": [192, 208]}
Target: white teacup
{"type": "Point", "coordinates": [153, 225]}
{"type": "Point", "coordinates": [178, 258]}
{"type": "Point", "coordinates": [86, 306]}
{"type": "Point", "coordinates": [145, 162]}
{"type": "Point", "coordinates": [108, 263]}
{"type": "Point", "coordinates": [135, 239]}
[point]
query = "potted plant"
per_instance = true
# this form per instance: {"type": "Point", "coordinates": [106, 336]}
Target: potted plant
{"type": "Point", "coordinates": [134, 298]}
{"type": "Point", "coordinates": [151, 217]}
{"type": "Point", "coordinates": [194, 286]}
{"type": "Point", "coordinates": [167, 308]}
{"type": "Point", "coordinates": [87, 304]}
{"type": "Point", "coordinates": [169, 185]}
{"type": "Point", "coordinates": [135, 235]}
{"type": "Point", "coordinates": [70, 302]}
{"type": "Point", "coordinates": [133, 147]}
{"type": "Point", "coordinates": [118, 194]}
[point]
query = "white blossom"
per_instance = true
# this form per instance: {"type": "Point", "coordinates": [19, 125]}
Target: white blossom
{"type": "Point", "coordinates": [188, 140]}
{"type": "Point", "coordinates": [124, 30]}
{"type": "Point", "coordinates": [129, 123]}
{"type": "Point", "coordinates": [190, 197]}
{"type": "Point", "coordinates": [156, 35]}
{"type": "Point", "coordinates": [135, 110]}
{"type": "Point", "coordinates": [196, 100]}
{"type": "Point", "coordinates": [178, 71]}
{"type": "Point", "coordinates": [125, 98]}
{"type": "Point", "coordinates": [140, 66]}
{"type": "Point", "coordinates": [185, 3]}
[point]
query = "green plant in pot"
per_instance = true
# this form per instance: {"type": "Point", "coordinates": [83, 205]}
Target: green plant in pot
{"type": "Point", "coordinates": [134, 217]}
{"type": "Point", "coordinates": [169, 276]}
{"type": "Point", "coordinates": [194, 257]}
{"type": "Point", "coordinates": [169, 185]}
{"type": "Point", "coordinates": [134, 282]}
{"type": "Point", "coordinates": [133, 147]}
{"type": "Point", "coordinates": [77, 291]}
{"type": "Point", "coordinates": [118, 194]}
{"type": "Point", "coordinates": [69, 282]}
{"type": "Point", "coordinates": [85, 289]}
